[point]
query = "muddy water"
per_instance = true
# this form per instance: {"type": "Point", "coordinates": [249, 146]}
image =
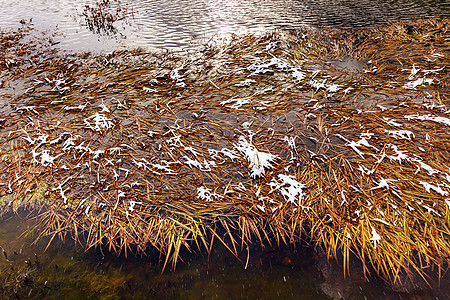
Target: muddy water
{"type": "Point", "coordinates": [66, 271]}
{"type": "Point", "coordinates": [175, 24]}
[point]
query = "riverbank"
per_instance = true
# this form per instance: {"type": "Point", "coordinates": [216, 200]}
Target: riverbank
{"type": "Point", "coordinates": [340, 135]}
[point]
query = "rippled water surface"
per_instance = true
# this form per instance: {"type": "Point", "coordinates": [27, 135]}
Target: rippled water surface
{"type": "Point", "coordinates": [160, 24]}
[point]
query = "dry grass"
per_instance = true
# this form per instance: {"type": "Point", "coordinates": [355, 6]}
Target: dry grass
{"type": "Point", "coordinates": [142, 149]}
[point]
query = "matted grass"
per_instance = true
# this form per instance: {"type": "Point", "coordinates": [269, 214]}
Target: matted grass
{"type": "Point", "coordinates": [340, 135]}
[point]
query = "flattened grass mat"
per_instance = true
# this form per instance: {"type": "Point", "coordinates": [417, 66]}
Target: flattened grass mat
{"type": "Point", "coordinates": [340, 135]}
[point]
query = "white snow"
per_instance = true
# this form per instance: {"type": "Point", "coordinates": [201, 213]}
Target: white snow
{"type": "Point", "coordinates": [289, 187]}
{"type": "Point", "coordinates": [401, 134]}
{"type": "Point", "coordinates": [418, 82]}
{"type": "Point", "coordinates": [429, 117]}
{"type": "Point", "coordinates": [428, 187]}
{"type": "Point", "coordinates": [238, 103]}
{"type": "Point", "coordinates": [101, 122]}
{"type": "Point", "coordinates": [384, 183]}
{"type": "Point", "coordinates": [259, 160]}
{"type": "Point", "coordinates": [206, 194]}
{"type": "Point", "coordinates": [376, 238]}
{"type": "Point", "coordinates": [177, 78]}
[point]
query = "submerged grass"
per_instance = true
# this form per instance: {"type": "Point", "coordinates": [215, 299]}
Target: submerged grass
{"type": "Point", "coordinates": [339, 135]}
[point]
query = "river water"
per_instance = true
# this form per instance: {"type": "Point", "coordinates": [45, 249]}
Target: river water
{"type": "Point", "coordinates": [175, 24]}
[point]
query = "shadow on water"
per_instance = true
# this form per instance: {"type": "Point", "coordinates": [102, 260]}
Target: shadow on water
{"type": "Point", "coordinates": [65, 271]}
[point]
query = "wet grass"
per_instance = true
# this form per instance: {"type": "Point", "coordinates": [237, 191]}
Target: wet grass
{"type": "Point", "coordinates": [339, 135]}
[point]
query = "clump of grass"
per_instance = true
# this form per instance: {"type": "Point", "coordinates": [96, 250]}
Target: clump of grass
{"type": "Point", "coordinates": [265, 138]}
{"type": "Point", "coordinates": [101, 17]}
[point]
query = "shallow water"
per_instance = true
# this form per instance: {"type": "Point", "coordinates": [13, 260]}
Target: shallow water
{"type": "Point", "coordinates": [67, 271]}
{"type": "Point", "coordinates": [175, 24]}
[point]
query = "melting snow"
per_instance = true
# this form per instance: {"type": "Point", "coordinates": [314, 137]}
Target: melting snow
{"type": "Point", "coordinates": [414, 71]}
{"type": "Point", "coordinates": [362, 142]}
{"type": "Point", "coordinates": [391, 122]}
{"type": "Point", "coordinates": [175, 76]}
{"type": "Point", "coordinates": [384, 183]}
{"type": "Point", "coordinates": [149, 90]}
{"type": "Point", "coordinates": [297, 74]}
{"type": "Point", "coordinates": [132, 204]}
{"type": "Point", "coordinates": [418, 82]}
{"type": "Point", "coordinates": [246, 82]}
{"type": "Point", "coordinates": [47, 159]}
{"type": "Point", "coordinates": [264, 68]}
{"type": "Point", "coordinates": [237, 102]}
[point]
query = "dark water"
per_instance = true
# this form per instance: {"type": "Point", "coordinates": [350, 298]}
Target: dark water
{"type": "Point", "coordinates": [66, 271]}
{"type": "Point", "coordinates": [160, 24]}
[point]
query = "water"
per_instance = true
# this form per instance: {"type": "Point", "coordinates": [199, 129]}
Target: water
{"type": "Point", "coordinates": [175, 24]}
{"type": "Point", "coordinates": [66, 271]}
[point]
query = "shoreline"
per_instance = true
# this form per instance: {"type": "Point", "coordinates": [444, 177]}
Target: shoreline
{"type": "Point", "coordinates": [340, 135]}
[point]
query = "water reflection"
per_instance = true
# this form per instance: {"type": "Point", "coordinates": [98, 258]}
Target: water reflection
{"type": "Point", "coordinates": [175, 23]}
{"type": "Point", "coordinates": [65, 271]}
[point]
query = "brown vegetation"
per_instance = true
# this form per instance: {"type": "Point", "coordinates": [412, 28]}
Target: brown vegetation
{"type": "Point", "coordinates": [342, 136]}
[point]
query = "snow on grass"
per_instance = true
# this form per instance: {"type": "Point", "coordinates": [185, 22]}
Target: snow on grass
{"type": "Point", "coordinates": [246, 82]}
{"type": "Point", "coordinates": [333, 88]}
{"type": "Point", "coordinates": [177, 78]}
{"type": "Point", "coordinates": [384, 183]}
{"type": "Point", "coordinates": [259, 160]}
{"type": "Point", "coordinates": [429, 117]}
{"type": "Point", "coordinates": [149, 90]}
{"type": "Point", "coordinates": [400, 154]}
{"type": "Point", "coordinates": [193, 163]}
{"type": "Point", "coordinates": [164, 167]}
{"type": "Point", "coordinates": [289, 187]}
{"type": "Point", "coordinates": [263, 68]}
{"type": "Point", "coordinates": [297, 74]}
{"type": "Point", "coordinates": [391, 122]}
{"type": "Point", "coordinates": [132, 205]}
{"type": "Point", "coordinates": [428, 187]}
{"type": "Point", "coordinates": [238, 103]}
{"type": "Point", "coordinates": [355, 145]}
{"type": "Point", "coordinates": [104, 107]}
{"type": "Point", "coordinates": [228, 153]}
{"type": "Point", "coordinates": [434, 71]}
{"type": "Point", "coordinates": [100, 122]}
{"type": "Point", "coordinates": [401, 134]}
{"type": "Point", "coordinates": [418, 82]}
{"type": "Point", "coordinates": [267, 67]}
{"type": "Point", "coordinates": [206, 194]}
{"type": "Point", "coordinates": [47, 159]}
{"type": "Point", "coordinates": [376, 238]}
{"type": "Point", "coordinates": [413, 73]}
